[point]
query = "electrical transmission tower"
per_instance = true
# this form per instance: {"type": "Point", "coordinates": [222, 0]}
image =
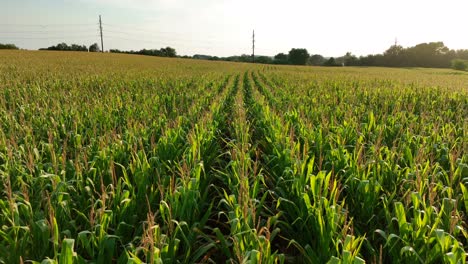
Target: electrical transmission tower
{"type": "Point", "coordinates": [100, 29]}
{"type": "Point", "coordinates": [253, 46]}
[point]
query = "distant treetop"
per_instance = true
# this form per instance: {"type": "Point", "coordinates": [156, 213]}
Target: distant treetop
{"type": "Point", "coordinates": [8, 46]}
{"type": "Point", "coordinates": [64, 47]}
{"type": "Point", "coordinates": [163, 52]}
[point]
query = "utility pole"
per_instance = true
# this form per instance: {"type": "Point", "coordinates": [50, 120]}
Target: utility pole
{"type": "Point", "coordinates": [100, 29]}
{"type": "Point", "coordinates": [253, 46]}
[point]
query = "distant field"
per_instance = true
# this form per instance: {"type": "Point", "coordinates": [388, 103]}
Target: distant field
{"type": "Point", "coordinates": [111, 158]}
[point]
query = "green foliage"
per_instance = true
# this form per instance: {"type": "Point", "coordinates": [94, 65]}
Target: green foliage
{"type": "Point", "coordinates": [8, 46]}
{"type": "Point", "coordinates": [281, 58]}
{"type": "Point", "coordinates": [460, 65]}
{"type": "Point", "coordinates": [331, 62]}
{"type": "Point", "coordinates": [316, 60]}
{"type": "Point", "coordinates": [298, 56]}
{"type": "Point", "coordinates": [94, 48]}
{"type": "Point", "coordinates": [163, 52]}
{"type": "Point", "coordinates": [429, 55]}
{"type": "Point", "coordinates": [64, 47]}
{"type": "Point", "coordinates": [130, 159]}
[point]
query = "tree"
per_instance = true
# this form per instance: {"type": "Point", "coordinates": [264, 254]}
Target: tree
{"type": "Point", "coordinates": [75, 47]}
{"type": "Point", "coordinates": [263, 59]}
{"type": "Point", "coordinates": [330, 62]}
{"type": "Point", "coordinates": [316, 60]}
{"type": "Point", "coordinates": [462, 54]}
{"type": "Point", "coordinates": [350, 60]}
{"type": "Point", "coordinates": [64, 47]}
{"type": "Point", "coordinates": [394, 50]}
{"type": "Point", "coordinates": [163, 52]}
{"type": "Point", "coordinates": [281, 58]}
{"type": "Point", "coordinates": [433, 54]}
{"type": "Point", "coordinates": [394, 56]}
{"type": "Point", "coordinates": [94, 48]}
{"type": "Point", "coordinates": [460, 65]}
{"type": "Point", "coordinates": [61, 46]}
{"type": "Point", "coordinates": [168, 52]}
{"type": "Point", "coordinates": [298, 56]}
{"type": "Point", "coordinates": [8, 46]}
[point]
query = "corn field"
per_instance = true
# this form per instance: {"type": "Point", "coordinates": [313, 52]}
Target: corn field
{"type": "Point", "coordinates": [109, 158]}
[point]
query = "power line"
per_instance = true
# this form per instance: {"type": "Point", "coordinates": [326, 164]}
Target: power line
{"type": "Point", "coordinates": [46, 25]}
{"type": "Point", "coordinates": [55, 31]}
{"type": "Point", "coordinates": [53, 37]}
{"type": "Point", "coordinates": [160, 43]}
{"type": "Point", "coordinates": [137, 29]}
{"type": "Point", "coordinates": [42, 31]}
{"type": "Point", "coordinates": [131, 28]}
{"type": "Point", "coordinates": [156, 36]}
{"type": "Point", "coordinates": [179, 41]}
{"type": "Point", "coordinates": [32, 35]}
{"type": "Point", "coordinates": [152, 32]}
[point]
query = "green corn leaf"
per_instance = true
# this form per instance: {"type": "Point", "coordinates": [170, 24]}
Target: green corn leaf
{"type": "Point", "coordinates": [66, 255]}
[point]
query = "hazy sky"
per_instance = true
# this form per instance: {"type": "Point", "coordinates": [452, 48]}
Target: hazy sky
{"type": "Point", "coordinates": [224, 27]}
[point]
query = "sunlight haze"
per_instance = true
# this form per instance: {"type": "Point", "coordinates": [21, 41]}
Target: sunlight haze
{"type": "Point", "coordinates": [224, 28]}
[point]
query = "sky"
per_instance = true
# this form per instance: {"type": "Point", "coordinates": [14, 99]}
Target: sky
{"type": "Point", "coordinates": [224, 27]}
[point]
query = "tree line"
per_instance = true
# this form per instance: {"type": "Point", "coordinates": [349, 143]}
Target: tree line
{"type": "Point", "coordinates": [73, 47]}
{"type": "Point", "coordinates": [428, 55]}
{"type": "Point", "coordinates": [294, 57]}
{"type": "Point", "coordinates": [8, 46]}
{"type": "Point", "coordinates": [163, 52]}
